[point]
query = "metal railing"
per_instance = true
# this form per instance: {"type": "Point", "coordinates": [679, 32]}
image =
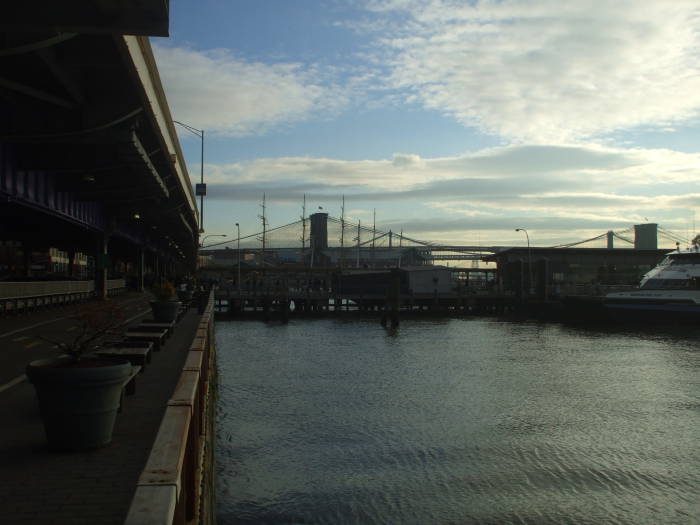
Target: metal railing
{"type": "Point", "coordinates": [24, 290]}
{"type": "Point", "coordinates": [176, 484]}
{"type": "Point", "coordinates": [28, 295]}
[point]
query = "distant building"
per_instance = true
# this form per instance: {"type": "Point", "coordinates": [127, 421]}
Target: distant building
{"type": "Point", "coordinates": [559, 270]}
{"type": "Point", "coordinates": [417, 280]}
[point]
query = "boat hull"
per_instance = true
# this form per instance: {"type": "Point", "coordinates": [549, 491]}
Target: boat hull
{"type": "Point", "coordinates": [682, 306]}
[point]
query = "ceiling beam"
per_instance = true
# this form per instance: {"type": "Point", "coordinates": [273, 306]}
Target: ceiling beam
{"type": "Point", "coordinates": [148, 164]}
{"type": "Point", "coordinates": [36, 93]}
{"type": "Point", "coordinates": [66, 80]}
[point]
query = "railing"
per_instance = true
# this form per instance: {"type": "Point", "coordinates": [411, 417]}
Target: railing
{"type": "Point", "coordinates": [23, 290]}
{"type": "Point", "coordinates": [21, 296]}
{"type": "Point", "coordinates": [176, 485]}
{"type": "Point", "coordinates": [115, 286]}
{"type": "Point", "coordinates": [589, 289]}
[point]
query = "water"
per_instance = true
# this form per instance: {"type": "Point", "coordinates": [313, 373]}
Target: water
{"type": "Point", "coordinates": [456, 421]}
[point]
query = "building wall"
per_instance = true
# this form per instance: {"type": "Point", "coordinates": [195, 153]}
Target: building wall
{"type": "Point", "coordinates": [561, 268]}
{"type": "Point", "coordinates": [434, 280]}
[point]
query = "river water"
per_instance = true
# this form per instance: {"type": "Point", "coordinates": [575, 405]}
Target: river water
{"type": "Point", "coordinates": [457, 421]}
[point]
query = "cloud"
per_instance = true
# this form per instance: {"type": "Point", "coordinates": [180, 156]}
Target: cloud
{"type": "Point", "coordinates": [583, 189]}
{"type": "Point", "coordinates": [515, 170]}
{"type": "Point", "coordinates": [545, 71]}
{"type": "Point", "coordinates": [227, 95]}
{"type": "Point", "coordinates": [403, 160]}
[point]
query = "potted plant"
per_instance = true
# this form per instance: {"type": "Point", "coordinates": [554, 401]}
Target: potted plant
{"type": "Point", "coordinates": [79, 394]}
{"type": "Point", "coordinates": [184, 293]}
{"type": "Point", "coordinates": [166, 305]}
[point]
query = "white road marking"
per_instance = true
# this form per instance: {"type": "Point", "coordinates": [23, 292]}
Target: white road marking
{"type": "Point", "coordinates": [15, 381]}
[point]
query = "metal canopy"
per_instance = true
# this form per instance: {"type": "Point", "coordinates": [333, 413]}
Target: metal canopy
{"type": "Point", "coordinates": [85, 111]}
{"type": "Point", "coordinates": [127, 17]}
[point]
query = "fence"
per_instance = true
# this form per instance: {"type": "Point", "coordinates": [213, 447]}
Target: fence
{"type": "Point", "coordinates": [24, 296]}
{"type": "Point", "coordinates": [176, 486]}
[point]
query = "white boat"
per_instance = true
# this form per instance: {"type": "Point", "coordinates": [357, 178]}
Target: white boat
{"type": "Point", "coordinates": [670, 291]}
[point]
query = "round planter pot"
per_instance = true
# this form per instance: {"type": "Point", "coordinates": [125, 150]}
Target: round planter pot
{"type": "Point", "coordinates": [165, 311]}
{"type": "Point", "coordinates": [78, 403]}
{"type": "Point", "coordinates": [184, 295]}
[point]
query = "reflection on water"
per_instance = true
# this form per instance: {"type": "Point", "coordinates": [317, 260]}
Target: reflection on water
{"type": "Point", "coordinates": [456, 421]}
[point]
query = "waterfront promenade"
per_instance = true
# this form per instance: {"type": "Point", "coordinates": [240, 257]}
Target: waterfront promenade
{"type": "Point", "coordinates": [96, 487]}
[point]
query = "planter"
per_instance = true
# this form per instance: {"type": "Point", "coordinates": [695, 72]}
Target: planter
{"type": "Point", "coordinates": [78, 403]}
{"type": "Point", "coordinates": [184, 295]}
{"type": "Point", "coordinates": [165, 311]}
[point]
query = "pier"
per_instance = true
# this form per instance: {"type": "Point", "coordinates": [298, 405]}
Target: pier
{"type": "Point", "coordinates": [167, 422]}
{"type": "Point", "coordinates": [96, 205]}
{"type": "Point", "coordinates": [300, 303]}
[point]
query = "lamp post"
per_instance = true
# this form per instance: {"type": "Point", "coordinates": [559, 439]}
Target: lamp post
{"type": "Point", "coordinates": [201, 245]}
{"type": "Point", "coordinates": [238, 253]}
{"type": "Point", "coordinates": [529, 258]}
{"type": "Point", "coordinates": [201, 189]}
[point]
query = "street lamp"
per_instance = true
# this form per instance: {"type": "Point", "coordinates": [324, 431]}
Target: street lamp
{"type": "Point", "coordinates": [201, 245]}
{"type": "Point", "coordinates": [529, 257]}
{"type": "Point", "coordinates": [200, 188]}
{"type": "Point", "coordinates": [238, 252]}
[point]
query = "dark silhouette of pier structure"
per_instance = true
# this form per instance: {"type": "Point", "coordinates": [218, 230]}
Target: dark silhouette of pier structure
{"type": "Point", "coordinates": [391, 278]}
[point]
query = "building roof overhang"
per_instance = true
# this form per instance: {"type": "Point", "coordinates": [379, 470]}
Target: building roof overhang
{"type": "Point", "coordinates": [133, 17]}
{"type": "Point", "coordinates": [89, 109]}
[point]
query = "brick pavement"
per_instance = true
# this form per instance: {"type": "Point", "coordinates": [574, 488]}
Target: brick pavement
{"type": "Point", "coordinates": [95, 487]}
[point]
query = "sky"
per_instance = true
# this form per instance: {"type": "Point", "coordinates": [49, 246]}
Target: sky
{"type": "Point", "coordinates": [453, 121]}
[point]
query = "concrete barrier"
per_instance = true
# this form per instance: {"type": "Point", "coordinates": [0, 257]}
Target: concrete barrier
{"type": "Point", "coordinates": [175, 487]}
{"type": "Point", "coordinates": [21, 296]}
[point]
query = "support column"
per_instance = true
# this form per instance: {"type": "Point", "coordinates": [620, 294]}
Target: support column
{"type": "Point", "coordinates": [140, 263]}
{"type": "Point", "coordinates": [27, 255]}
{"type": "Point", "coordinates": [393, 297]}
{"type": "Point", "coordinates": [71, 262]}
{"type": "Point", "coordinates": [156, 268]}
{"type": "Point", "coordinates": [101, 263]}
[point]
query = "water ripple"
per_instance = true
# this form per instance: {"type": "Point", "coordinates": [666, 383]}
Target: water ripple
{"type": "Point", "coordinates": [321, 423]}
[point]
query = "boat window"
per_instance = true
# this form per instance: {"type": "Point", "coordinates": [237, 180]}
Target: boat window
{"type": "Point", "coordinates": [685, 258]}
{"type": "Point", "coordinates": [666, 284]}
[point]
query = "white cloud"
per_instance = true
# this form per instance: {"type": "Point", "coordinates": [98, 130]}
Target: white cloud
{"type": "Point", "coordinates": [546, 71]}
{"type": "Point", "coordinates": [512, 170]}
{"type": "Point", "coordinates": [379, 174]}
{"type": "Point", "coordinates": [579, 189]}
{"type": "Point", "coordinates": [224, 94]}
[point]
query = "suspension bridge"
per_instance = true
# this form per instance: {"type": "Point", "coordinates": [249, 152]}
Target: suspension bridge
{"type": "Point", "coordinates": [353, 237]}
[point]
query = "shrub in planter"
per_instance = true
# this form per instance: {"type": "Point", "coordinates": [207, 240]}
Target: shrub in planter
{"type": "Point", "coordinates": [166, 305]}
{"type": "Point", "coordinates": [79, 394]}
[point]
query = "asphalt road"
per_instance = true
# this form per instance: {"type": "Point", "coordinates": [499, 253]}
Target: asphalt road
{"type": "Point", "coordinates": [30, 336]}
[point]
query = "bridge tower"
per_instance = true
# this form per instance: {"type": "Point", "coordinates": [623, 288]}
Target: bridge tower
{"type": "Point", "coordinates": [318, 236]}
{"type": "Point", "coordinates": [645, 236]}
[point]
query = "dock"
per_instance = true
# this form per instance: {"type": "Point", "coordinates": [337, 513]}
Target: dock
{"type": "Point", "coordinates": [284, 304]}
{"type": "Point", "coordinates": [103, 486]}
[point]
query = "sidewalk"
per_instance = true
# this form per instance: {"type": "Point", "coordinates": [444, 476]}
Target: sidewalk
{"type": "Point", "coordinates": [21, 335]}
{"type": "Point", "coordinates": [95, 487]}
